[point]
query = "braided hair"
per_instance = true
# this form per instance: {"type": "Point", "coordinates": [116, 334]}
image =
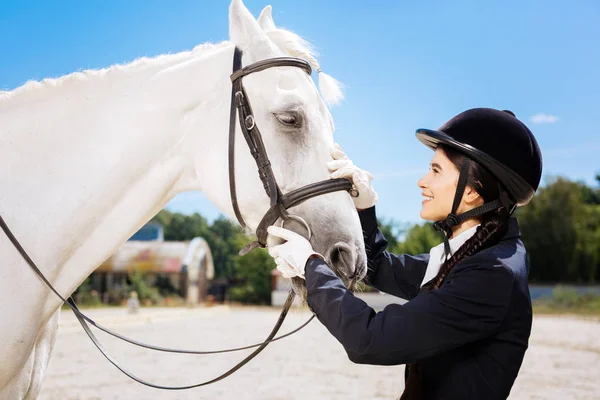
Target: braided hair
{"type": "Point", "coordinates": [493, 227]}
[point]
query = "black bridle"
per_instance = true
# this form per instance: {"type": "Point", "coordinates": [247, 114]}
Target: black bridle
{"type": "Point", "coordinates": [278, 209]}
{"type": "Point", "coordinates": [279, 203]}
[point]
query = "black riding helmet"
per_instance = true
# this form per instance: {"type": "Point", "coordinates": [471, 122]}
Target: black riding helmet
{"type": "Point", "coordinates": [500, 143]}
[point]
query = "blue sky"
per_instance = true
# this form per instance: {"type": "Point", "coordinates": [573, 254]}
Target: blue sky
{"type": "Point", "coordinates": [405, 65]}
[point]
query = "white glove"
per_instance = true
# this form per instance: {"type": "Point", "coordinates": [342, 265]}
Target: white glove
{"type": "Point", "coordinates": [291, 257]}
{"type": "Point", "coordinates": [343, 167]}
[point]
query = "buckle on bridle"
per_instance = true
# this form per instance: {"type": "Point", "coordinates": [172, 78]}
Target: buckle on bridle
{"type": "Point", "coordinates": [239, 97]}
{"type": "Point", "coordinates": [249, 122]}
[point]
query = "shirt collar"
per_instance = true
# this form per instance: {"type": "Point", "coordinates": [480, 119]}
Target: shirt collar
{"type": "Point", "coordinates": [437, 256]}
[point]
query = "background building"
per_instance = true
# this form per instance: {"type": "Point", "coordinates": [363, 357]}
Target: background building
{"type": "Point", "coordinates": [170, 269]}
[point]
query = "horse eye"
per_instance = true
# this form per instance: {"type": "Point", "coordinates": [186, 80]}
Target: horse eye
{"type": "Point", "coordinates": [289, 119]}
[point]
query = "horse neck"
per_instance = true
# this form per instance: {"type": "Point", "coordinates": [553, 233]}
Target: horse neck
{"type": "Point", "coordinates": [97, 159]}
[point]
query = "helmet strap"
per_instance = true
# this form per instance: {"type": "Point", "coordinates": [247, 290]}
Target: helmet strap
{"type": "Point", "coordinates": [445, 226]}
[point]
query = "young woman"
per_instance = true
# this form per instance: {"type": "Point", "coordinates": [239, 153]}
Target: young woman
{"type": "Point", "coordinates": [465, 329]}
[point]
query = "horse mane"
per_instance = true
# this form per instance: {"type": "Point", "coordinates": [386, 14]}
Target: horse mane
{"type": "Point", "coordinates": [142, 63]}
{"type": "Point", "coordinates": [295, 46]}
{"type": "Point", "coordinates": [287, 41]}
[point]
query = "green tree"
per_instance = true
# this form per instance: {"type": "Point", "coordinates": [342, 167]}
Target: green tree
{"type": "Point", "coordinates": [420, 238]}
{"type": "Point", "coordinates": [588, 246]}
{"type": "Point", "coordinates": [560, 232]}
{"type": "Point", "coordinates": [141, 287]}
{"type": "Point", "coordinates": [224, 245]}
{"type": "Point", "coordinates": [220, 236]}
{"type": "Point", "coordinates": [184, 227]}
{"type": "Point", "coordinates": [391, 230]}
{"type": "Point", "coordinates": [252, 274]}
{"type": "Point", "coordinates": [591, 195]}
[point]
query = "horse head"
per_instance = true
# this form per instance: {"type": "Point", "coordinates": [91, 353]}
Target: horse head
{"type": "Point", "coordinates": [297, 130]}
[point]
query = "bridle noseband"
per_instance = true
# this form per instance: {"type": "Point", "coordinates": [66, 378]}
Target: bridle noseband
{"type": "Point", "coordinates": [279, 203]}
{"type": "Point", "coordinates": [278, 209]}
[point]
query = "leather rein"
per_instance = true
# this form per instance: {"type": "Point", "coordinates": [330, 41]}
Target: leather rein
{"type": "Point", "coordinates": [279, 203]}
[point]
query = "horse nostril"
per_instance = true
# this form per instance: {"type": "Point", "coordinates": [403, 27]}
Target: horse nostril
{"type": "Point", "coordinates": [334, 256]}
{"type": "Point", "coordinates": [343, 259]}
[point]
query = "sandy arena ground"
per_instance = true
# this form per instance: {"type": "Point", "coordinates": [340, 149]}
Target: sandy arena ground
{"type": "Point", "coordinates": [563, 361]}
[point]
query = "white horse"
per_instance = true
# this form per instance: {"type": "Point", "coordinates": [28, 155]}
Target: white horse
{"type": "Point", "coordinates": [88, 158]}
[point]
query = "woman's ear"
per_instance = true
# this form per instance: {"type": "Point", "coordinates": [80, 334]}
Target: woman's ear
{"type": "Point", "coordinates": [472, 198]}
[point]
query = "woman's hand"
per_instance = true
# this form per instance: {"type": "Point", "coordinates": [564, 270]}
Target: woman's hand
{"type": "Point", "coordinates": [292, 255]}
{"type": "Point", "coordinates": [343, 167]}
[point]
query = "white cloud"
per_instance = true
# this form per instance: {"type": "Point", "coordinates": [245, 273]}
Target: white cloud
{"type": "Point", "coordinates": [542, 118]}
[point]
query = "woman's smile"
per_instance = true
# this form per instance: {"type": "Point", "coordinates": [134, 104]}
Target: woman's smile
{"type": "Point", "coordinates": [426, 198]}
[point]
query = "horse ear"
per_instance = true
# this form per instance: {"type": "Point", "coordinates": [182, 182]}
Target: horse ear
{"type": "Point", "coordinates": [244, 31]}
{"type": "Point", "coordinates": [265, 20]}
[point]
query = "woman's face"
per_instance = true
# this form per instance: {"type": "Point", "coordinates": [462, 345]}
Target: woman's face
{"type": "Point", "coordinates": [438, 188]}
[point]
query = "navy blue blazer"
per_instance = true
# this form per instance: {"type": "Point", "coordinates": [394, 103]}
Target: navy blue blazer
{"type": "Point", "coordinates": [469, 336]}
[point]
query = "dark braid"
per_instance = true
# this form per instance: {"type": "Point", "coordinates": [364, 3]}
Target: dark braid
{"type": "Point", "coordinates": [493, 227]}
